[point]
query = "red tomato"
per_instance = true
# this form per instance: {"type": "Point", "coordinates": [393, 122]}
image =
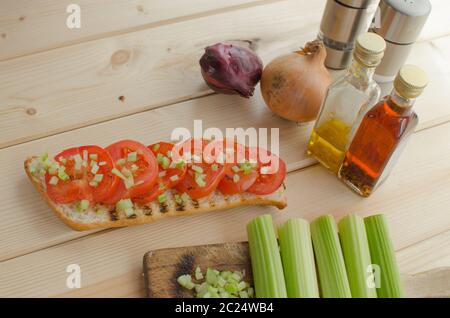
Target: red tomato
{"type": "Point", "coordinates": [268, 181]}
{"type": "Point", "coordinates": [239, 181]}
{"type": "Point", "coordinates": [210, 173]}
{"type": "Point", "coordinates": [81, 185]}
{"type": "Point", "coordinates": [144, 169]}
{"type": "Point", "coordinates": [167, 181]}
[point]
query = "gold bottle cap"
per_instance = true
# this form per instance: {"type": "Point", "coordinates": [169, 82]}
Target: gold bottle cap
{"type": "Point", "coordinates": [369, 49]}
{"type": "Point", "coordinates": [410, 81]}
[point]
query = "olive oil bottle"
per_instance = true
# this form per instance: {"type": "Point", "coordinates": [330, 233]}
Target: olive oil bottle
{"type": "Point", "coordinates": [347, 99]}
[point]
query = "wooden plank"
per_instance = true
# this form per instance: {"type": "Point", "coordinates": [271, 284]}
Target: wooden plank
{"type": "Point", "coordinates": [415, 200]}
{"type": "Point", "coordinates": [30, 26]}
{"type": "Point", "coordinates": [62, 89]}
{"type": "Point", "coordinates": [75, 86]}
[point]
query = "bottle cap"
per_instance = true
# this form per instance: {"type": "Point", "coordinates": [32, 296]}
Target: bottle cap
{"type": "Point", "coordinates": [369, 49]}
{"type": "Point", "coordinates": [410, 81]}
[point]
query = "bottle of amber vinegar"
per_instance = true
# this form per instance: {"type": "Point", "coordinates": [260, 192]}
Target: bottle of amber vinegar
{"type": "Point", "coordinates": [383, 133]}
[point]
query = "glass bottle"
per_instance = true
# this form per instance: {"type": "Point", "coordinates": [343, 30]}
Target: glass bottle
{"type": "Point", "coordinates": [346, 99]}
{"type": "Point", "coordinates": [383, 133]}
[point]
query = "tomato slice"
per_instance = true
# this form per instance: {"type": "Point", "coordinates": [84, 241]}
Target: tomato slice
{"type": "Point", "coordinates": [202, 178]}
{"type": "Point", "coordinates": [82, 184]}
{"type": "Point", "coordinates": [273, 175]}
{"type": "Point", "coordinates": [143, 169]}
{"type": "Point", "coordinates": [169, 174]}
{"type": "Point", "coordinates": [242, 174]}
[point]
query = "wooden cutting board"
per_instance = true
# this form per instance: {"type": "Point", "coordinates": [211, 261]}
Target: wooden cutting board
{"type": "Point", "coordinates": [162, 267]}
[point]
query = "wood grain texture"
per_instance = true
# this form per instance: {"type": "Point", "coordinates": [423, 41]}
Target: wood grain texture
{"type": "Point", "coordinates": [163, 267]}
{"type": "Point", "coordinates": [114, 258]}
{"type": "Point", "coordinates": [23, 23]}
{"type": "Point", "coordinates": [75, 86]}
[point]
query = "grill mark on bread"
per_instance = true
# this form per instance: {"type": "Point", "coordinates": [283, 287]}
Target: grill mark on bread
{"type": "Point", "coordinates": [163, 207]}
{"type": "Point", "coordinates": [180, 207]}
{"type": "Point", "coordinates": [147, 210]}
{"type": "Point", "coordinates": [113, 215]}
{"type": "Point", "coordinates": [195, 203]}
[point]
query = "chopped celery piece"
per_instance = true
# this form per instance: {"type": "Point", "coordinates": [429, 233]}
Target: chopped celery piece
{"type": "Point", "coordinates": [265, 258]}
{"type": "Point", "coordinates": [121, 162]}
{"type": "Point", "coordinates": [180, 164]}
{"type": "Point", "coordinates": [165, 163]}
{"type": "Point", "coordinates": [330, 261]}
{"type": "Point", "coordinates": [200, 180]}
{"type": "Point", "coordinates": [211, 277]}
{"type": "Point", "coordinates": [132, 156]}
{"type": "Point", "coordinates": [53, 180]}
{"type": "Point", "coordinates": [197, 169]}
{"type": "Point", "coordinates": [356, 256]}
{"type": "Point", "coordinates": [174, 178]}
{"type": "Point", "coordinates": [298, 259]}
{"type": "Point", "coordinates": [178, 199]}
{"type": "Point", "coordinates": [62, 174]}
{"type": "Point", "coordinates": [186, 281]}
{"type": "Point", "coordinates": [162, 198]}
{"type": "Point", "coordinates": [94, 168]}
{"type": "Point", "coordinates": [235, 169]}
{"type": "Point", "coordinates": [236, 178]}
{"type": "Point", "coordinates": [198, 273]}
{"type": "Point", "coordinates": [98, 178]}
{"type": "Point", "coordinates": [126, 206]}
{"type": "Point", "coordinates": [93, 156]}
{"type": "Point", "coordinates": [156, 147]}
{"type": "Point", "coordinates": [82, 206]}
{"type": "Point", "coordinates": [215, 167]}
{"type": "Point", "coordinates": [382, 254]}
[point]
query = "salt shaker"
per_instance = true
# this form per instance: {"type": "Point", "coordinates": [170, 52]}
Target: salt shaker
{"type": "Point", "coordinates": [399, 22]}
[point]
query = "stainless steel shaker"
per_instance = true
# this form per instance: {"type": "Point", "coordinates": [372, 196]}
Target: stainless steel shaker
{"type": "Point", "coordinates": [399, 22]}
{"type": "Point", "coordinates": [342, 22]}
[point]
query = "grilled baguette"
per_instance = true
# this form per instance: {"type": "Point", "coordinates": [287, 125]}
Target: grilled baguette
{"type": "Point", "coordinates": [107, 216]}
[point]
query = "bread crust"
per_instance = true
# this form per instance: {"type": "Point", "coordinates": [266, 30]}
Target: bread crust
{"type": "Point", "coordinates": [279, 202]}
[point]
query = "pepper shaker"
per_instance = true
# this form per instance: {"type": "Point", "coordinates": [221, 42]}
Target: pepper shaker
{"type": "Point", "coordinates": [400, 24]}
{"type": "Point", "coordinates": [342, 22]}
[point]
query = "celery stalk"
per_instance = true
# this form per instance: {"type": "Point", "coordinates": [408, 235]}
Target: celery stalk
{"type": "Point", "coordinates": [298, 259]}
{"type": "Point", "coordinates": [330, 261]}
{"type": "Point", "coordinates": [265, 258]}
{"type": "Point", "coordinates": [383, 255]}
{"type": "Point", "coordinates": [356, 256]}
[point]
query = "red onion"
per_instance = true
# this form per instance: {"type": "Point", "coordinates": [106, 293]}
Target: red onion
{"type": "Point", "coordinates": [230, 69]}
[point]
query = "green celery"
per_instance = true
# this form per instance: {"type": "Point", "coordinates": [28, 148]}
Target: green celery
{"type": "Point", "coordinates": [298, 259]}
{"type": "Point", "coordinates": [265, 258]}
{"type": "Point", "coordinates": [355, 248]}
{"type": "Point", "coordinates": [383, 255]}
{"type": "Point", "coordinates": [330, 261]}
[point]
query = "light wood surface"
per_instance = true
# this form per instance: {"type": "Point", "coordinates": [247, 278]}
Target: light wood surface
{"type": "Point", "coordinates": [63, 91]}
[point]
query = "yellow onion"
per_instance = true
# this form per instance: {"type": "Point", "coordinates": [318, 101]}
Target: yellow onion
{"type": "Point", "coordinates": [294, 85]}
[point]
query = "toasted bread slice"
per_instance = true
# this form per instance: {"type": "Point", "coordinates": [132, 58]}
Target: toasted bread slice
{"type": "Point", "coordinates": [107, 216]}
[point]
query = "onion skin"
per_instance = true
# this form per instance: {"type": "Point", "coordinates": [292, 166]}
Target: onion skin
{"type": "Point", "coordinates": [229, 69]}
{"type": "Point", "coordinates": [294, 85]}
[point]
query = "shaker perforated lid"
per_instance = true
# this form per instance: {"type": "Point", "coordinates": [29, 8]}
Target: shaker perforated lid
{"type": "Point", "coordinates": [369, 49]}
{"type": "Point", "coordinates": [401, 21]}
{"type": "Point", "coordinates": [410, 81]}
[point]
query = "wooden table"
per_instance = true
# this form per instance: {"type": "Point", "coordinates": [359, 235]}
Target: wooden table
{"type": "Point", "coordinates": [131, 71]}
